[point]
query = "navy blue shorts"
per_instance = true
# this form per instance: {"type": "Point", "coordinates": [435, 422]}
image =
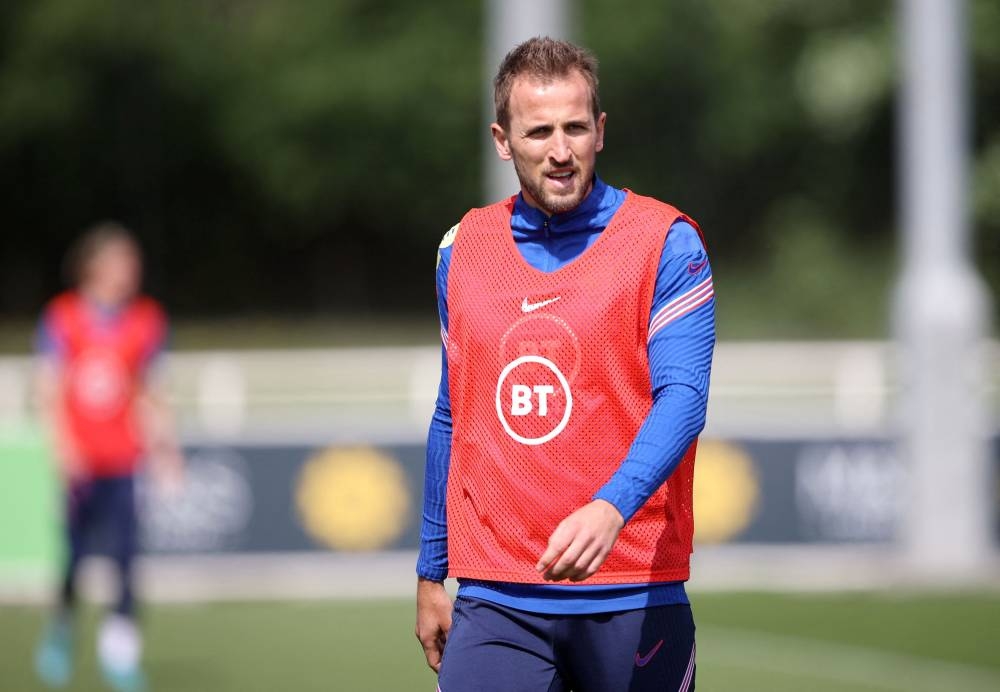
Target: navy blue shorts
{"type": "Point", "coordinates": [492, 648]}
{"type": "Point", "coordinates": [101, 518]}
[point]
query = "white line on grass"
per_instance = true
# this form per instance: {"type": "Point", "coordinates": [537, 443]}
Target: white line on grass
{"type": "Point", "coordinates": [857, 665]}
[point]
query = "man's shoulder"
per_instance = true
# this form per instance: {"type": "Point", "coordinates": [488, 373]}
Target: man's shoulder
{"type": "Point", "coordinates": [497, 212]}
{"type": "Point", "coordinates": [446, 244]}
{"type": "Point", "coordinates": [652, 204]}
{"type": "Point", "coordinates": [56, 323]}
{"type": "Point", "coordinates": [61, 308]}
{"type": "Point", "coordinates": [683, 233]}
{"type": "Point", "coordinates": [683, 239]}
{"type": "Point", "coordinates": [470, 217]}
{"type": "Point", "coordinates": [63, 301]}
{"type": "Point", "coordinates": [147, 308]}
{"type": "Point", "coordinates": [474, 221]}
{"type": "Point", "coordinates": [448, 239]}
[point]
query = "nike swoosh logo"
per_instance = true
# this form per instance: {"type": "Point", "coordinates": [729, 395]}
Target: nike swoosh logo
{"type": "Point", "coordinates": [531, 307]}
{"type": "Point", "coordinates": [695, 267]}
{"type": "Point", "coordinates": [641, 661]}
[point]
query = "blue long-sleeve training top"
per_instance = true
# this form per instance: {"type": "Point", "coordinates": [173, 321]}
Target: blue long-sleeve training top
{"type": "Point", "coordinates": [681, 342]}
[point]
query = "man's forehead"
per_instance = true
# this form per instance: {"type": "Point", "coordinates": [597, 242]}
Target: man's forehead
{"type": "Point", "coordinates": [117, 247]}
{"type": "Point", "coordinates": [534, 82]}
{"type": "Point", "coordinates": [532, 96]}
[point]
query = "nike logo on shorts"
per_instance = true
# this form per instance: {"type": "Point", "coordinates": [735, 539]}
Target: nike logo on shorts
{"type": "Point", "coordinates": [641, 661]}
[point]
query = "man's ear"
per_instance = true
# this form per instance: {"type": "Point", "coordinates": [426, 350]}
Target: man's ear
{"type": "Point", "coordinates": [501, 141]}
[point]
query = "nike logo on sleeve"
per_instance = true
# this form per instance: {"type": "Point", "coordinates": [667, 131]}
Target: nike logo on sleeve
{"type": "Point", "coordinates": [695, 267]}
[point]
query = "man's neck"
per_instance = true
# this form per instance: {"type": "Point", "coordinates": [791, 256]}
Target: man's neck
{"type": "Point", "coordinates": [102, 300]}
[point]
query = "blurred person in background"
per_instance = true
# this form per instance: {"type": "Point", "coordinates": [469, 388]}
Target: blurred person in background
{"type": "Point", "coordinates": [97, 346]}
{"type": "Point", "coordinates": [578, 325]}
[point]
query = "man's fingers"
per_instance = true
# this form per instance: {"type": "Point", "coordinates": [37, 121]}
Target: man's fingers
{"type": "Point", "coordinates": [581, 543]}
{"type": "Point", "coordinates": [559, 541]}
{"type": "Point", "coordinates": [584, 565]}
{"type": "Point", "coordinates": [567, 563]}
{"type": "Point", "coordinates": [589, 562]}
{"type": "Point", "coordinates": [562, 568]}
{"type": "Point", "coordinates": [433, 640]}
{"type": "Point", "coordinates": [433, 656]}
{"type": "Point", "coordinates": [433, 620]}
{"type": "Point", "coordinates": [433, 646]}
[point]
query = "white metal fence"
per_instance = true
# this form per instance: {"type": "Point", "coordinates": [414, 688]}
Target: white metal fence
{"type": "Point", "coordinates": [758, 389]}
{"type": "Point", "coordinates": [837, 390]}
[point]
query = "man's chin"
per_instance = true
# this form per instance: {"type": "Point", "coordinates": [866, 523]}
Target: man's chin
{"type": "Point", "coordinates": [560, 204]}
{"type": "Point", "coordinates": [551, 202]}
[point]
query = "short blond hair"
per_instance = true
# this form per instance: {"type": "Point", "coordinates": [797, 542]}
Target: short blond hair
{"type": "Point", "coordinates": [92, 243]}
{"type": "Point", "coordinates": [545, 59]}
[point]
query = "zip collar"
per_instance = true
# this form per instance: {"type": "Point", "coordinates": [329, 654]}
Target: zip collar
{"type": "Point", "coordinates": [592, 215]}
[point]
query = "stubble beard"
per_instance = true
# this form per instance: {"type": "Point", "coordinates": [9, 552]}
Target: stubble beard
{"type": "Point", "coordinates": [552, 204]}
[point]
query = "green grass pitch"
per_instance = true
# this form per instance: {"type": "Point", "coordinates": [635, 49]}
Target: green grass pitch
{"type": "Point", "coordinates": [747, 642]}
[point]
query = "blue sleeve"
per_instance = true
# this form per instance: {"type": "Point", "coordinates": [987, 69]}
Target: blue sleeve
{"type": "Point", "coordinates": [154, 357]}
{"type": "Point", "coordinates": [48, 339]}
{"type": "Point", "coordinates": [681, 342]}
{"type": "Point", "coordinates": [433, 560]}
{"type": "Point", "coordinates": [159, 341]}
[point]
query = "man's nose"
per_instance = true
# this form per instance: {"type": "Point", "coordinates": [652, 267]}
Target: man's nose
{"type": "Point", "coordinates": [560, 151]}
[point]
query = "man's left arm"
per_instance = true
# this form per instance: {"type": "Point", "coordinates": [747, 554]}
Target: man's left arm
{"type": "Point", "coordinates": [681, 343]}
{"type": "Point", "coordinates": [166, 461]}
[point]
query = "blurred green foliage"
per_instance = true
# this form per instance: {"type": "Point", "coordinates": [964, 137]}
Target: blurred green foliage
{"type": "Point", "coordinates": [305, 157]}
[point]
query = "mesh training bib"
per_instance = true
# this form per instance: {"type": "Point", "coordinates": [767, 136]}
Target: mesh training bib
{"type": "Point", "coordinates": [104, 366]}
{"type": "Point", "coordinates": [549, 384]}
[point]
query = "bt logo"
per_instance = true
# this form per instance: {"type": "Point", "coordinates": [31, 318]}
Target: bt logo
{"type": "Point", "coordinates": [531, 390]}
{"type": "Point", "coordinates": [99, 382]}
{"type": "Point", "coordinates": [521, 399]}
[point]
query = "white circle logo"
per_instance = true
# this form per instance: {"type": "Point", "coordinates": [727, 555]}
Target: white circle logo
{"type": "Point", "coordinates": [100, 384]}
{"type": "Point", "coordinates": [533, 399]}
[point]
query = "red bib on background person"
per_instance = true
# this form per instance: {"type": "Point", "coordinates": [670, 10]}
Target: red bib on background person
{"type": "Point", "coordinates": [104, 359]}
{"type": "Point", "coordinates": [549, 383]}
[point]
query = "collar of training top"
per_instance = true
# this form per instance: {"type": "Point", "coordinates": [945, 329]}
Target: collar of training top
{"type": "Point", "coordinates": [593, 213]}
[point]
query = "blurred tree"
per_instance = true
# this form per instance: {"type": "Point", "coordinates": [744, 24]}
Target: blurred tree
{"type": "Point", "coordinates": [305, 157]}
{"type": "Point", "coordinates": [773, 123]}
{"type": "Point", "coordinates": [272, 156]}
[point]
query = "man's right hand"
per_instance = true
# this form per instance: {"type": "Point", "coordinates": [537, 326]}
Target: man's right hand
{"type": "Point", "coordinates": [433, 620]}
{"type": "Point", "coordinates": [71, 466]}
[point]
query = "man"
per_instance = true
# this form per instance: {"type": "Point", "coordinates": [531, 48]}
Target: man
{"type": "Point", "coordinates": [96, 345]}
{"type": "Point", "coordinates": [578, 329]}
